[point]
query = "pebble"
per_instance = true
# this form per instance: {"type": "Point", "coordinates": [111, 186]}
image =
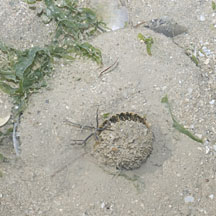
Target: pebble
{"type": "Point", "coordinates": [211, 196]}
{"type": "Point", "coordinates": [214, 147]}
{"type": "Point", "coordinates": [198, 135]}
{"type": "Point", "coordinates": [202, 18]}
{"type": "Point", "coordinates": [206, 50]}
{"type": "Point", "coordinates": [189, 199]}
{"type": "Point", "coordinates": [102, 205]}
{"type": "Point", "coordinates": [206, 62]}
{"type": "Point", "coordinates": [190, 90]}
{"type": "Point", "coordinates": [212, 102]}
{"type": "Point", "coordinates": [201, 54]}
{"type": "Point", "coordinates": [207, 149]}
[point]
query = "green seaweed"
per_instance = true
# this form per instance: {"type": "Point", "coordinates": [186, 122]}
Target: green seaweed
{"type": "Point", "coordinates": [106, 115]}
{"type": "Point", "coordinates": [23, 73]}
{"type": "Point", "coordinates": [213, 5]}
{"type": "Point", "coordinates": [148, 41]}
{"type": "Point", "coordinates": [31, 1]}
{"type": "Point", "coordinates": [177, 125]}
{"type": "Point", "coordinates": [71, 20]}
{"type": "Point", "coordinates": [195, 60]}
{"type": "Point", "coordinates": [74, 26]}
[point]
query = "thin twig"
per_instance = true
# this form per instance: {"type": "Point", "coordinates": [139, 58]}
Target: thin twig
{"type": "Point", "coordinates": [83, 142]}
{"type": "Point", "coordinates": [114, 64]}
{"type": "Point", "coordinates": [79, 125]}
{"type": "Point", "coordinates": [15, 140]}
{"type": "Point", "coordinates": [95, 133]}
{"type": "Point", "coordinates": [139, 24]}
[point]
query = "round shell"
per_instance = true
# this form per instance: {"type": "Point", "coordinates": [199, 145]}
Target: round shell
{"type": "Point", "coordinates": [124, 141]}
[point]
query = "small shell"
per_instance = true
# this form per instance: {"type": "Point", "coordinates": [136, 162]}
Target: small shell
{"type": "Point", "coordinates": [4, 120]}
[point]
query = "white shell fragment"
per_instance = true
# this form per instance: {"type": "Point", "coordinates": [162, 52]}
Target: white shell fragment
{"type": "Point", "coordinates": [4, 120]}
{"type": "Point", "coordinates": [189, 199]}
{"type": "Point", "coordinates": [211, 196]}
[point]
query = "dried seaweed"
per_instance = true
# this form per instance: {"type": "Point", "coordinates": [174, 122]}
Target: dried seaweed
{"type": "Point", "coordinates": [148, 41]}
{"type": "Point", "coordinates": [177, 125]}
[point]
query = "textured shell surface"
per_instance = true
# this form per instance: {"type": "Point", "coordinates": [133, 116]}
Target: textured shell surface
{"type": "Point", "coordinates": [125, 142]}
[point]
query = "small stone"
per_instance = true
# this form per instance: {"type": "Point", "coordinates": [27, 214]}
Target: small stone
{"type": "Point", "coordinates": [199, 148]}
{"type": "Point", "coordinates": [206, 50]}
{"type": "Point", "coordinates": [214, 147]}
{"type": "Point", "coordinates": [202, 18]}
{"type": "Point", "coordinates": [166, 26]}
{"type": "Point", "coordinates": [192, 126]}
{"type": "Point", "coordinates": [190, 90]}
{"type": "Point", "coordinates": [211, 196]}
{"type": "Point", "coordinates": [102, 205]}
{"type": "Point", "coordinates": [206, 62]}
{"type": "Point", "coordinates": [189, 199]}
{"type": "Point", "coordinates": [164, 88]}
{"type": "Point", "coordinates": [212, 102]}
{"type": "Point", "coordinates": [207, 149]}
{"type": "Point", "coordinates": [201, 54]}
{"type": "Point", "coordinates": [198, 135]}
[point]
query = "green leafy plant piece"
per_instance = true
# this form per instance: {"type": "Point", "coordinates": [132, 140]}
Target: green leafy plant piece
{"type": "Point", "coordinates": [213, 5]}
{"type": "Point", "coordinates": [73, 21]}
{"type": "Point", "coordinates": [25, 74]}
{"type": "Point", "coordinates": [178, 126]}
{"type": "Point", "coordinates": [31, 1]}
{"type": "Point", "coordinates": [106, 115]}
{"type": "Point", "coordinates": [148, 41]}
{"type": "Point", "coordinates": [87, 50]}
{"type": "Point", "coordinates": [195, 60]}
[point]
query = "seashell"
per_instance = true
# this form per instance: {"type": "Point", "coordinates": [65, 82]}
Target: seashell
{"type": "Point", "coordinates": [4, 120]}
{"type": "Point", "coordinates": [120, 152]}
